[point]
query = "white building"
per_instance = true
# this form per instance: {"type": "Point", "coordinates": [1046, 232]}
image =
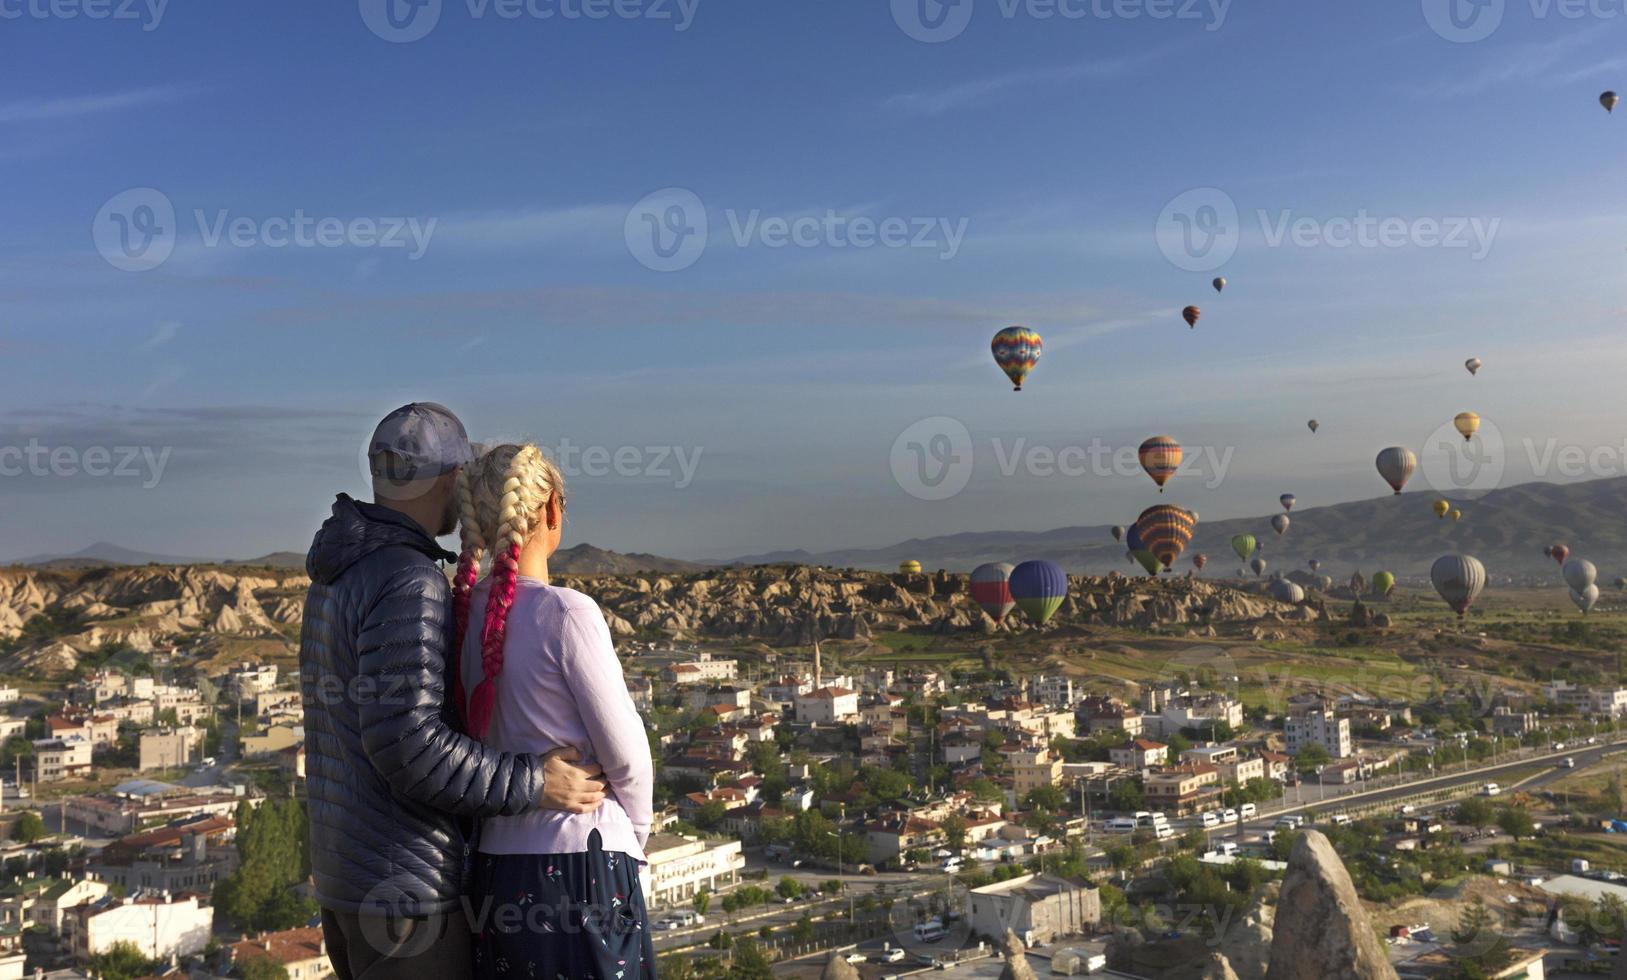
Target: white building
{"type": "Point", "coordinates": [160, 926]}
{"type": "Point", "coordinates": [828, 706]}
{"type": "Point", "coordinates": [1056, 690]}
{"type": "Point", "coordinates": [1318, 726]}
{"type": "Point", "coordinates": [1038, 908]}
{"type": "Point", "coordinates": [251, 679]}
{"type": "Point", "coordinates": [61, 758]}
{"type": "Point", "coordinates": [681, 866]}
{"type": "Point", "coordinates": [1607, 701]}
{"type": "Point", "coordinates": [9, 695]}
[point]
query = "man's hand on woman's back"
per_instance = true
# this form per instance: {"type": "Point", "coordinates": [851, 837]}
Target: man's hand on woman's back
{"type": "Point", "coordinates": [571, 787]}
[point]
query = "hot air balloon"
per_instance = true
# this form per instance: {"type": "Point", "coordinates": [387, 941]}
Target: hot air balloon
{"type": "Point", "coordinates": [1038, 586]}
{"type": "Point", "coordinates": [991, 589]}
{"type": "Point", "coordinates": [1457, 515]}
{"type": "Point", "coordinates": [1325, 583]}
{"type": "Point", "coordinates": [1458, 579]}
{"type": "Point", "coordinates": [1383, 583]}
{"type": "Point", "coordinates": [1609, 100]}
{"type": "Point", "coordinates": [1280, 524]}
{"type": "Point", "coordinates": [1147, 560]}
{"type": "Point", "coordinates": [1160, 457]}
{"type": "Point", "coordinates": [1558, 553]}
{"type": "Point", "coordinates": [1585, 598]}
{"type": "Point", "coordinates": [1244, 545]}
{"type": "Point", "coordinates": [1258, 565]}
{"type": "Point", "coordinates": [1467, 424]}
{"type": "Point", "coordinates": [1621, 583]}
{"type": "Point", "coordinates": [1396, 465]}
{"type": "Point", "coordinates": [1283, 590]}
{"type": "Point", "coordinates": [1287, 500]}
{"type": "Point", "coordinates": [1199, 560]}
{"type": "Point", "coordinates": [1579, 573]}
{"type": "Point", "coordinates": [1315, 564]}
{"type": "Point", "coordinates": [1313, 425]}
{"type": "Point", "coordinates": [1219, 283]}
{"type": "Point", "coordinates": [1017, 350]}
{"type": "Point", "coordinates": [1190, 315]}
{"type": "Point", "coordinates": [1473, 364]}
{"type": "Point", "coordinates": [1165, 531]}
{"type": "Point", "coordinates": [1441, 508]}
{"type": "Point", "coordinates": [1118, 532]}
{"type": "Point", "coordinates": [910, 567]}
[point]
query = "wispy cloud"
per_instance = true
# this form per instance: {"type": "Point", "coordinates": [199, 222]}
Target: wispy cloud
{"type": "Point", "coordinates": [72, 106]}
{"type": "Point", "coordinates": [163, 333]}
{"type": "Point", "coordinates": [982, 90]}
{"type": "Point", "coordinates": [1519, 64]}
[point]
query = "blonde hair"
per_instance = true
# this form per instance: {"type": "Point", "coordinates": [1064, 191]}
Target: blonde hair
{"type": "Point", "coordinates": [501, 497]}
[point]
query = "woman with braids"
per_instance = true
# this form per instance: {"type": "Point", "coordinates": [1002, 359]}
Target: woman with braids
{"type": "Point", "coordinates": [538, 672]}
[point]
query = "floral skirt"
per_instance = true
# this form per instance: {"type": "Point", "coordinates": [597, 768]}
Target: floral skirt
{"type": "Point", "coordinates": [577, 916]}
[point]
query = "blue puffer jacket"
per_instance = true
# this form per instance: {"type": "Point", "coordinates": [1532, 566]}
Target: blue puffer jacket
{"type": "Point", "coordinates": [388, 773]}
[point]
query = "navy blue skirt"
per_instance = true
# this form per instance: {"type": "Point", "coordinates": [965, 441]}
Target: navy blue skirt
{"type": "Point", "coordinates": [574, 916]}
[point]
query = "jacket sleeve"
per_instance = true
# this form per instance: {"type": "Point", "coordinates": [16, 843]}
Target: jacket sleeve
{"type": "Point", "coordinates": [401, 666]}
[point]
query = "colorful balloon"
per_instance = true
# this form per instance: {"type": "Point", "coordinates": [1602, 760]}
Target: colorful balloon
{"type": "Point", "coordinates": [1287, 500]}
{"type": "Point", "coordinates": [1383, 583]}
{"type": "Point", "coordinates": [910, 567]}
{"type": "Point", "coordinates": [1258, 565]}
{"type": "Point", "coordinates": [1146, 559]}
{"type": "Point", "coordinates": [1473, 364]}
{"type": "Point", "coordinates": [1190, 315]}
{"type": "Point", "coordinates": [1280, 524]}
{"type": "Point", "coordinates": [1609, 101]}
{"type": "Point", "coordinates": [1017, 350]}
{"type": "Point", "coordinates": [1396, 465]}
{"type": "Point", "coordinates": [1118, 532]}
{"type": "Point", "coordinates": [1559, 553]}
{"type": "Point", "coordinates": [1440, 507]}
{"type": "Point", "coordinates": [1199, 560]}
{"type": "Point", "coordinates": [1244, 545]}
{"type": "Point", "coordinates": [1579, 573]}
{"type": "Point", "coordinates": [1585, 598]}
{"type": "Point", "coordinates": [1457, 515]}
{"type": "Point", "coordinates": [1283, 590]}
{"type": "Point", "coordinates": [1467, 424]}
{"type": "Point", "coordinates": [991, 589]}
{"type": "Point", "coordinates": [1160, 458]}
{"type": "Point", "coordinates": [1621, 583]}
{"type": "Point", "coordinates": [1166, 531]}
{"type": "Point", "coordinates": [1038, 587]}
{"type": "Point", "coordinates": [1315, 564]}
{"type": "Point", "coordinates": [1459, 580]}
{"type": "Point", "coordinates": [1219, 283]}
{"type": "Point", "coordinates": [1313, 425]}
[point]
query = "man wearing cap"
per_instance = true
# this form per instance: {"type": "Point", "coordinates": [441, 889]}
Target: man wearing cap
{"type": "Point", "coordinates": [390, 778]}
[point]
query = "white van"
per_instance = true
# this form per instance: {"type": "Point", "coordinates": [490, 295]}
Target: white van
{"type": "Point", "coordinates": [1341, 819]}
{"type": "Point", "coordinates": [1290, 822]}
{"type": "Point", "coordinates": [1226, 848]}
{"type": "Point", "coordinates": [1490, 789]}
{"type": "Point", "coordinates": [1210, 819]}
{"type": "Point", "coordinates": [1120, 825]}
{"type": "Point", "coordinates": [952, 865]}
{"type": "Point", "coordinates": [1163, 831]}
{"type": "Point", "coordinates": [1246, 811]}
{"type": "Point", "coordinates": [929, 931]}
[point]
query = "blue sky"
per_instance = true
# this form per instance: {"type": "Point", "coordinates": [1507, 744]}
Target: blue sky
{"type": "Point", "coordinates": [1030, 160]}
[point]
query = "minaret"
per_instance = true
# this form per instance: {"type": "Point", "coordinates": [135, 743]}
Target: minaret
{"type": "Point", "coordinates": [818, 681]}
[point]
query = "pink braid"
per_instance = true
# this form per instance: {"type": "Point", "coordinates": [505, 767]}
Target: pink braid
{"type": "Point", "coordinates": [463, 583]}
{"type": "Point", "coordinates": [504, 579]}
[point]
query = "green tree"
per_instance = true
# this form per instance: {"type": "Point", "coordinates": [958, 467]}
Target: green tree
{"type": "Point", "coordinates": [1516, 823]}
{"type": "Point", "coordinates": [1311, 757]}
{"type": "Point", "coordinates": [272, 860]}
{"type": "Point", "coordinates": [1476, 812]}
{"type": "Point", "coordinates": [262, 968]}
{"type": "Point", "coordinates": [122, 961]}
{"type": "Point", "coordinates": [29, 828]}
{"type": "Point", "coordinates": [750, 963]}
{"type": "Point", "coordinates": [701, 902]}
{"type": "Point", "coordinates": [788, 887]}
{"type": "Point", "coordinates": [954, 831]}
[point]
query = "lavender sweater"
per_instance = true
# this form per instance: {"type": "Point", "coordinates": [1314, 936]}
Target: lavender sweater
{"type": "Point", "coordinates": [562, 685]}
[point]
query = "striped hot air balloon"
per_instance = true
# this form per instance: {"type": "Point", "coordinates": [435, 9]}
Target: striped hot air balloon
{"type": "Point", "coordinates": [1458, 579]}
{"type": "Point", "coordinates": [1280, 524]}
{"type": "Point", "coordinates": [1166, 531]}
{"type": "Point", "coordinates": [1244, 545]}
{"type": "Point", "coordinates": [1559, 553]}
{"type": "Point", "coordinates": [991, 589]}
{"type": "Point", "coordinates": [1199, 560]}
{"type": "Point", "coordinates": [1190, 315]}
{"type": "Point", "coordinates": [1396, 465]}
{"type": "Point", "coordinates": [1287, 500]}
{"type": "Point", "coordinates": [910, 567]}
{"type": "Point", "coordinates": [1160, 457]}
{"type": "Point", "coordinates": [1258, 566]}
{"type": "Point", "coordinates": [1017, 350]}
{"type": "Point", "coordinates": [1039, 586]}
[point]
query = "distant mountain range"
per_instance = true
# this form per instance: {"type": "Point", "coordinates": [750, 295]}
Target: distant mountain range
{"type": "Point", "coordinates": [1506, 529]}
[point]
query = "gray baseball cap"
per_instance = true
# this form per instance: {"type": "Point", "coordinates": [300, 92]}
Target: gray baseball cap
{"type": "Point", "coordinates": [418, 442]}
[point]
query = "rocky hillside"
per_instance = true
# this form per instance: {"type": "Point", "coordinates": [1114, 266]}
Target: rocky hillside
{"type": "Point", "coordinates": [50, 618]}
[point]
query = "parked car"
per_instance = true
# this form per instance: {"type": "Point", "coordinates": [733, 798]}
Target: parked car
{"type": "Point", "coordinates": [1228, 815]}
{"type": "Point", "coordinates": [1567, 763]}
{"type": "Point", "coordinates": [1210, 819]}
{"type": "Point", "coordinates": [1247, 810]}
{"type": "Point", "coordinates": [893, 954]}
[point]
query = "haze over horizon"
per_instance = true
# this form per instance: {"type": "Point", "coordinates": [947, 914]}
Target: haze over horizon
{"type": "Point", "coordinates": [758, 396]}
